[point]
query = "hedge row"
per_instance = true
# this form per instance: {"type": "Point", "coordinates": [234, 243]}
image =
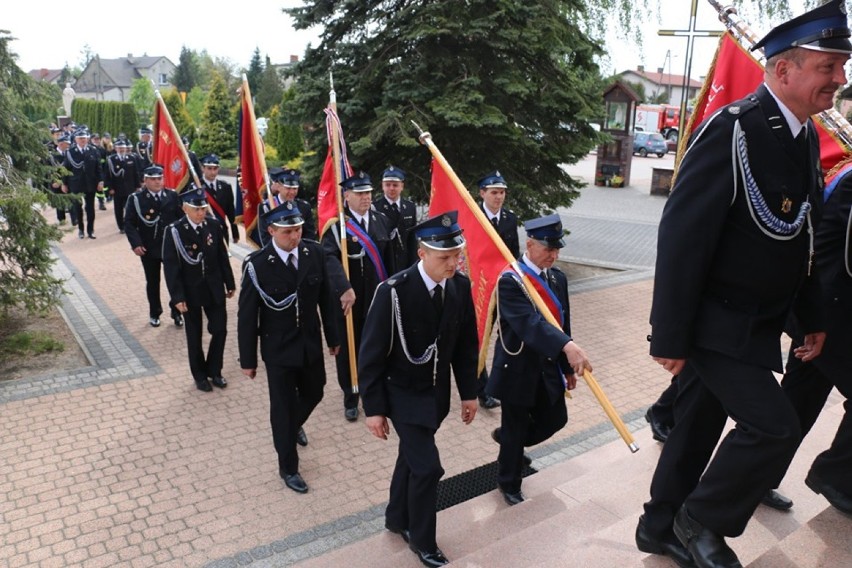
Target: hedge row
{"type": "Point", "coordinates": [106, 116]}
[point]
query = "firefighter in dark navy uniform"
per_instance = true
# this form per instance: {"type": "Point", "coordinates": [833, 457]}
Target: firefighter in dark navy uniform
{"type": "Point", "coordinates": [85, 176]}
{"type": "Point", "coordinates": [220, 196]}
{"type": "Point", "coordinates": [733, 260]}
{"type": "Point", "coordinates": [402, 214]}
{"type": "Point", "coordinates": [283, 285]}
{"type": "Point", "coordinates": [534, 362]}
{"type": "Point", "coordinates": [124, 172]}
{"type": "Point", "coordinates": [492, 190]}
{"type": "Point", "coordinates": [199, 277]}
{"type": "Point", "coordinates": [368, 247]}
{"type": "Point", "coordinates": [420, 324]}
{"type": "Point", "coordinates": [145, 147]}
{"type": "Point", "coordinates": [284, 185]}
{"type": "Point", "coordinates": [147, 214]}
{"type": "Point", "coordinates": [808, 384]}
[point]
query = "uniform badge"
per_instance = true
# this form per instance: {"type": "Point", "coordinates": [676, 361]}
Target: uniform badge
{"type": "Point", "coordinates": [209, 239]}
{"type": "Point", "coordinates": [786, 205]}
{"type": "Point", "coordinates": [734, 110]}
{"type": "Point", "coordinates": [194, 246]}
{"type": "Point", "coordinates": [354, 239]}
{"type": "Point", "coordinates": [446, 221]}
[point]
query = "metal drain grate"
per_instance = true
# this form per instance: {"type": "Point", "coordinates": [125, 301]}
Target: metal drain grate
{"type": "Point", "coordinates": [469, 484]}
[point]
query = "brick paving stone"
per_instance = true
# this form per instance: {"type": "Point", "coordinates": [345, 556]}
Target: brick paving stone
{"type": "Point", "coordinates": [121, 451]}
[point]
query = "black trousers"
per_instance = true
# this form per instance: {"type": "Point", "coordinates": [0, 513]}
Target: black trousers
{"type": "Point", "coordinates": [808, 385]}
{"type": "Point", "coordinates": [217, 325]}
{"type": "Point", "coordinates": [153, 267]}
{"type": "Point", "coordinates": [522, 426]}
{"type": "Point", "coordinates": [293, 395]}
{"type": "Point", "coordinates": [119, 202]}
{"type": "Point", "coordinates": [89, 203]}
{"type": "Point", "coordinates": [344, 377]}
{"type": "Point", "coordinates": [414, 486]}
{"type": "Point", "coordinates": [663, 409]}
{"type": "Point", "coordinates": [751, 459]}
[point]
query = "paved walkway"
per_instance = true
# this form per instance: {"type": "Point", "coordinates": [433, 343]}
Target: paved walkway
{"type": "Point", "coordinates": [125, 463]}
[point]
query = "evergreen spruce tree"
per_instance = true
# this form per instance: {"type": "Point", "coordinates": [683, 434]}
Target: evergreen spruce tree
{"type": "Point", "coordinates": [218, 131]}
{"type": "Point", "coordinates": [25, 235]}
{"type": "Point", "coordinates": [255, 70]}
{"type": "Point", "coordinates": [269, 91]}
{"type": "Point", "coordinates": [289, 140]}
{"type": "Point", "coordinates": [187, 72]}
{"type": "Point", "coordinates": [507, 85]}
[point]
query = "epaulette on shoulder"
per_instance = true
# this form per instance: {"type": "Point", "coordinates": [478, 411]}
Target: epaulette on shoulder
{"type": "Point", "coordinates": [462, 275]}
{"type": "Point", "coordinates": [314, 241]}
{"type": "Point", "coordinates": [252, 255]}
{"type": "Point", "coordinates": [555, 268]}
{"type": "Point", "coordinates": [396, 279]}
{"type": "Point", "coordinates": [738, 108]}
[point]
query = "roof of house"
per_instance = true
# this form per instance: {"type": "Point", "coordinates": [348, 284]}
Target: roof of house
{"type": "Point", "coordinates": [48, 75]}
{"type": "Point", "coordinates": [122, 72]}
{"type": "Point", "coordinates": [662, 78]}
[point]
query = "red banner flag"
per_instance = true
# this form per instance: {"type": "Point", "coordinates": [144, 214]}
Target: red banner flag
{"type": "Point", "coordinates": [252, 165]}
{"type": "Point", "coordinates": [168, 148]}
{"type": "Point", "coordinates": [328, 191]}
{"type": "Point", "coordinates": [482, 260]}
{"type": "Point", "coordinates": [734, 74]}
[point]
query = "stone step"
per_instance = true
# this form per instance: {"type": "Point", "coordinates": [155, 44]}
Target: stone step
{"type": "Point", "coordinates": [583, 512]}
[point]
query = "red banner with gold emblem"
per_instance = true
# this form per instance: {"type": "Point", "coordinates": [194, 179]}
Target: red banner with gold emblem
{"type": "Point", "coordinates": [168, 148]}
{"type": "Point", "coordinates": [734, 74]}
{"type": "Point", "coordinates": [252, 178]}
{"type": "Point", "coordinates": [482, 259]}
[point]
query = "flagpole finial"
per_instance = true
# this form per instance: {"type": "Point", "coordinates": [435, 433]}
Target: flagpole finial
{"type": "Point", "coordinates": [332, 96]}
{"type": "Point", "coordinates": [423, 136]}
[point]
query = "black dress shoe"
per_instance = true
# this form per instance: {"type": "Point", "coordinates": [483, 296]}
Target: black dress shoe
{"type": "Point", "coordinates": [80, 235]}
{"type": "Point", "coordinates": [668, 546]}
{"type": "Point", "coordinates": [351, 414]}
{"type": "Point", "coordinates": [92, 236]}
{"type": "Point", "coordinates": [301, 437]}
{"type": "Point", "coordinates": [488, 401]}
{"type": "Point", "coordinates": [495, 435]}
{"type": "Point", "coordinates": [659, 431]}
{"type": "Point", "coordinates": [219, 382]}
{"type": "Point", "coordinates": [178, 319]}
{"type": "Point", "coordinates": [777, 501]}
{"type": "Point", "coordinates": [294, 481]}
{"type": "Point", "coordinates": [512, 498]}
{"type": "Point", "coordinates": [708, 549]}
{"type": "Point", "coordinates": [154, 322]}
{"type": "Point", "coordinates": [203, 386]}
{"type": "Point", "coordinates": [432, 559]}
{"type": "Point", "coordinates": [406, 536]}
{"type": "Point", "coordinates": [839, 500]}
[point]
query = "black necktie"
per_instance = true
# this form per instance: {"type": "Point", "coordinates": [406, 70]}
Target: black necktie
{"type": "Point", "coordinates": [438, 299]}
{"type": "Point", "coordinates": [494, 222]}
{"type": "Point", "coordinates": [363, 223]}
{"type": "Point", "coordinates": [802, 141]}
{"type": "Point", "coordinates": [395, 208]}
{"type": "Point", "coordinates": [198, 230]}
{"type": "Point", "coordinates": [291, 263]}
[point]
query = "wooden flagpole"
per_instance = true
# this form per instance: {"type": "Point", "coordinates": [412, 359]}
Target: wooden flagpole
{"type": "Point", "coordinates": [426, 139]}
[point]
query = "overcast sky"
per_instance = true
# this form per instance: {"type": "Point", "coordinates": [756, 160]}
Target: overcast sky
{"type": "Point", "coordinates": [52, 33]}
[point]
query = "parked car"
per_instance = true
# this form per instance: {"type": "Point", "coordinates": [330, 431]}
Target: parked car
{"type": "Point", "coordinates": [645, 143]}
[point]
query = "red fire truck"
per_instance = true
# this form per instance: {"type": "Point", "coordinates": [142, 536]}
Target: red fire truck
{"type": "Point", "coordinates": [664, 119]}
